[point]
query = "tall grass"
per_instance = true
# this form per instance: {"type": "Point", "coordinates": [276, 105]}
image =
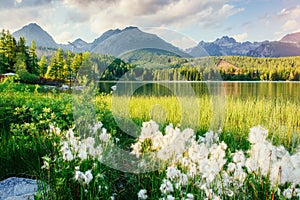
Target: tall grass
{"type": "Point", "coordinates": [280, 116]}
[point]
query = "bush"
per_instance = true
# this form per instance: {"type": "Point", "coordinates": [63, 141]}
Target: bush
{"type": "Point", "coordinates": [27, 77]}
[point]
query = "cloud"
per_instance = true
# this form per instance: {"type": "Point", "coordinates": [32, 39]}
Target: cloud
{"type": "Point", "coordinates": [290, 20]}
{"type": "Point", "coordinates": [290, 25]}
{"type": "Point", "coordinates": [155, 13]}
{"type": "Point", "coordinates": [93, 17]}
{"type": "Point", "coordinates": [240, 37]}
{"type": "Point", "coordinates": [175, 38]}
{"type": "Point", "coordinates": [11, 4]}
{"type": "Point", "coordinates": [293, 12]}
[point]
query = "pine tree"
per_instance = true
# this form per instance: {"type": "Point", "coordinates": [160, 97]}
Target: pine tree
{"type": "Point", "coordinates": [42, 65]}
{"type": "Point", "coordinates": [21, 55]}
{"type": "Point", "coordinates": [56, 68]}
{"type": "Point", "coordinates": [33, 66]}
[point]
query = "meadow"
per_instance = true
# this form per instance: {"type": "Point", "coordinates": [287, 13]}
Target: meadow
{"type": "Point", "coordinates": [39, 140]}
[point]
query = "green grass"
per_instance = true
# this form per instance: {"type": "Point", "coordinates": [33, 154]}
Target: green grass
{"type": "Point", "coordinates": [27, 112]}
{"type": "Point", "coordinates": [279, 116]}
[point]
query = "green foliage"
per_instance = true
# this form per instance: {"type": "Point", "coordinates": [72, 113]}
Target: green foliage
{"type": "Point", "coordinates": [42, 66]}
{"type": "Point", "coordinates": [57, 66]}
{"type": "Point", "coordinates": [27, 77]}
{"type": "Point", "coordinates": [33, 66]}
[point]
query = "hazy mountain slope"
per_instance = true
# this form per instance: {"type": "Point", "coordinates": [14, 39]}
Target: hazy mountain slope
{"type": "Point", "coordinates": [276, 49]}
{"type": "Point", "coordinates": [225, 46]}
{"type": "Point", "coordinates": [35, 32]}
{"type": "Point", "coordinates": [291, 38]}
{"type": "Point", "coordinates": [103, 37]}
{"type": "Point", "coordinates": [132, 38]}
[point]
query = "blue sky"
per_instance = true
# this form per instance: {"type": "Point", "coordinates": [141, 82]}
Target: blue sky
{"type": "Point", "coordinates": [182, 22]}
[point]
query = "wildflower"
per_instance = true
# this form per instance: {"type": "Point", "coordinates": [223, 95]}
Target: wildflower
{"type": "Point", "coordinates": [164, 153]}
{"type": "Point", "coordinates": [231, 167]}
{"type": "Point", "coordinates": [98, 153]}
{"type": "Point", "coordinates": [282, 171]}
{"type": "Point", "coordinates": [84, 178]}
{"type": "Point", "coordinates": [79, 176]}
{"type": "Point", "coordinates": [295, 159]}
{"type": "Point", "coordinates": [297, 192]}
{"type": "Point", "coordinates": [183, 179]}
{"type": "Point", "coordinates": [66, 152]}
{"type": "Point", "coordinates": [189, 196]}
{"type": "Point", "coordinates": [57, 130]}
{"type": "Point", "coordinates": [170, 197]}
{"type": "Point", "coordinates": [104, 137]}
{"type": "Point", "coordinates": [166, 187]}
{"type": "Point", "coordinates": [90, 143]}
{"type": "Point", "coordinates": [149, 129]}
{"type": "Point", "coordinates": [46, 164]}
{"type": "Point", "coordinates": [239, 157]}
{"type": "Point", "coordinates": [288, 193]}
{"type": "Point", "coordinates": [96, 127]}
{"type": "Point", "coordinates": [281, 152]}
{"type": "Point", "coordinates": [51, 128]}
{"type": "Point", "coordinates": [142, 194]}
{"type": "Point", "coordinates": [136, 149]}
{"type": "Point", "coordinates": [257, 134]}
{"type": "Point", "coordinates": [82, 152]}
{"type": "Point", "coordinates": [46, 110]}
{"type": "Point", "coordinates": [88, 176]}
{"type": "Point", "coordinates": [251, 165]}
{"type": "Point", "coordinates": [173, 173]}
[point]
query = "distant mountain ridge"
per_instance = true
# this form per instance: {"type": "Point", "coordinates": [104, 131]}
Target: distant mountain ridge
{"type": "Point", "coordinates": [289, 45]}
{"type": "Point", "coordinates": [225, 46]}
{"type": "Point", "coordinates": [117, 42]}
{"type": "Point", "coordinates": [114, 42]}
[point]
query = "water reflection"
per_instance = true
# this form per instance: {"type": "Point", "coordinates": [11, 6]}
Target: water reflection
{"type": "Point", "coordinates": [290, 90]}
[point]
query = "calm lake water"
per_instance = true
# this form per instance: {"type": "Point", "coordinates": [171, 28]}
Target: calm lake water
{"type": "Point", "coordinates": [290, 90]}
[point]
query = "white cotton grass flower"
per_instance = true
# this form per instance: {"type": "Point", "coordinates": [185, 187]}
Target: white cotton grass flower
{"type": "Point", "coordinates": [66, 152]}
{"type": "Point", "coordinates": [297, 192]}
{"type": "Point", "coordinates": [142, 194]}
{"type": "Point", "coordinates": [239, 157]}
{"type": "Point", "coordinates": [169, 146]}
{"type": "Point", "coordinates": [83, 178]}
{"type": "Point", "coordinates": [257, 134]}
{"type": "Point", "coordinates": [189, 196]}
{"type": "Point", "coordinates": [288, 193]}
{"type": "Point", "coordinates": [82, 154]}
{"type": "Point", "coordinates": [104, 136]}
{"type": "Point", "coordinates": [231, 167]}
{"type": "Point", "coordinates": [169, 197]}
{"type": "Point", "coordinates": [96, 127]}
{"type": "Point", "coordinates": [166, 187]}
{"type": "Point", "coordinates": [88, 176]}
{"type": "Point", "coordinates": [173, 173]}
{"type": "Point", "coordinates": [149, 129]}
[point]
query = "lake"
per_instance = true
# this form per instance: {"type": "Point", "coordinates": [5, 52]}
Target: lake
{"type": "Point", "coordinates": [239, 89]}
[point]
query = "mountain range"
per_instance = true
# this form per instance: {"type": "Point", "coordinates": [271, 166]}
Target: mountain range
{"type": "Point", "coordinates": [117, 42]}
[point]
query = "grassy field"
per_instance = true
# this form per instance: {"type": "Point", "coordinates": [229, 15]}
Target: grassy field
{"type": "Point", "coordinates": [278, 115]}
{"type": "Point", "coordinates": [37, 142]}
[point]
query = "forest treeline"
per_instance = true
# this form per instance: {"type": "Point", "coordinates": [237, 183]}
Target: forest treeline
{"type": "Point", "coordinates": [62, 66]}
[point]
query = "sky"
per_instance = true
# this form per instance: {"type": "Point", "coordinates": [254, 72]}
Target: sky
{"type": "Point", "coordinates": [184, 23]}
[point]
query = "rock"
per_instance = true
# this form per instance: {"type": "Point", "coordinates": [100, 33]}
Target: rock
{"type": "Point", "coordinates": [17, 189]}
